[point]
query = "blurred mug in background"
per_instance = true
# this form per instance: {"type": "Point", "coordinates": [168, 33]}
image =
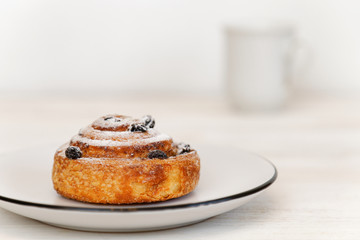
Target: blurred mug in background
{"type": "Point", "coordinates": [259, 59]}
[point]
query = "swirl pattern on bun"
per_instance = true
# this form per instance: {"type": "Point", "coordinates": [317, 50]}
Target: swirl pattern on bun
{"type": "Point", "coordinates": [121, 160]}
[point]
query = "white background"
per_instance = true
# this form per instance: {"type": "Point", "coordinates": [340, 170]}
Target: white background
{"type": "Point", "coordinates": [118, 45]}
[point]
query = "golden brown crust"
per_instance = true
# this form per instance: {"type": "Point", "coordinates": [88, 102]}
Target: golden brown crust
{"type": "Point", "coordinates": [114, 170]}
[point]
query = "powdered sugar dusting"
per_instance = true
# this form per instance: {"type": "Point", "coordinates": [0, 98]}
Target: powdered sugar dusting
{"type": "Point", "coordinates": [113, 121]}
{"type": "Point", "coordinates": [128, 142]}
{"type": "Point", "coordinates": [92, 133]}
{"type": "Point", "coordinates": [113, 137]}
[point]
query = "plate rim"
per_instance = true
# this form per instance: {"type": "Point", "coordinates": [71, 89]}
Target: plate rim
{"type": "Point", "coordinates": [115, 208]}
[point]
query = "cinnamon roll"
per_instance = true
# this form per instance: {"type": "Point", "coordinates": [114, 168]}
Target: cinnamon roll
{"type": "Point", "coordinates": [121, 160]}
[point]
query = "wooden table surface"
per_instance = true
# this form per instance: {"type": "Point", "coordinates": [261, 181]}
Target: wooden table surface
{"type": "Point", "coordinates": [314, 142]}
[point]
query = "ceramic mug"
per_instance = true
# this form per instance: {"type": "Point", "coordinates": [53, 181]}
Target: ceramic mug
{"type": "Point", "coordinates": [259, 62]}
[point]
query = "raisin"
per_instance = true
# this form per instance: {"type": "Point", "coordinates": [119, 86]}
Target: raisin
{"type": "Point", "coordinates": [73, 152]}
{"type": "Point", "coordinates": [149, 121]}
{"type": "Point", "coordinates": [184, 148]}
{"type": "Point", "coordinates": [157, 154]}
{"type": "Point", "coordinates": [138, 128]}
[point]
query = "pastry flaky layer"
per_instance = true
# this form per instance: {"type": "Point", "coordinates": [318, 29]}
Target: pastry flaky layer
{"type": "Point", "coordinates": [121, 160]}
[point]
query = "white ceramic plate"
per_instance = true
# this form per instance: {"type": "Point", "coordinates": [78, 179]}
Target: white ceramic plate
{"type": "Point", "coordinates": [228, 179]}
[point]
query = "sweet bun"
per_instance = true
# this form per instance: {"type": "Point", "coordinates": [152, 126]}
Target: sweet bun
{"type": "Point", "coordinates": [122, 160]}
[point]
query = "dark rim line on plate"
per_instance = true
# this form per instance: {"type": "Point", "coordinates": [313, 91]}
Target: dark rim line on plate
{"type": "Point", "coordinates": [134, 209]}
